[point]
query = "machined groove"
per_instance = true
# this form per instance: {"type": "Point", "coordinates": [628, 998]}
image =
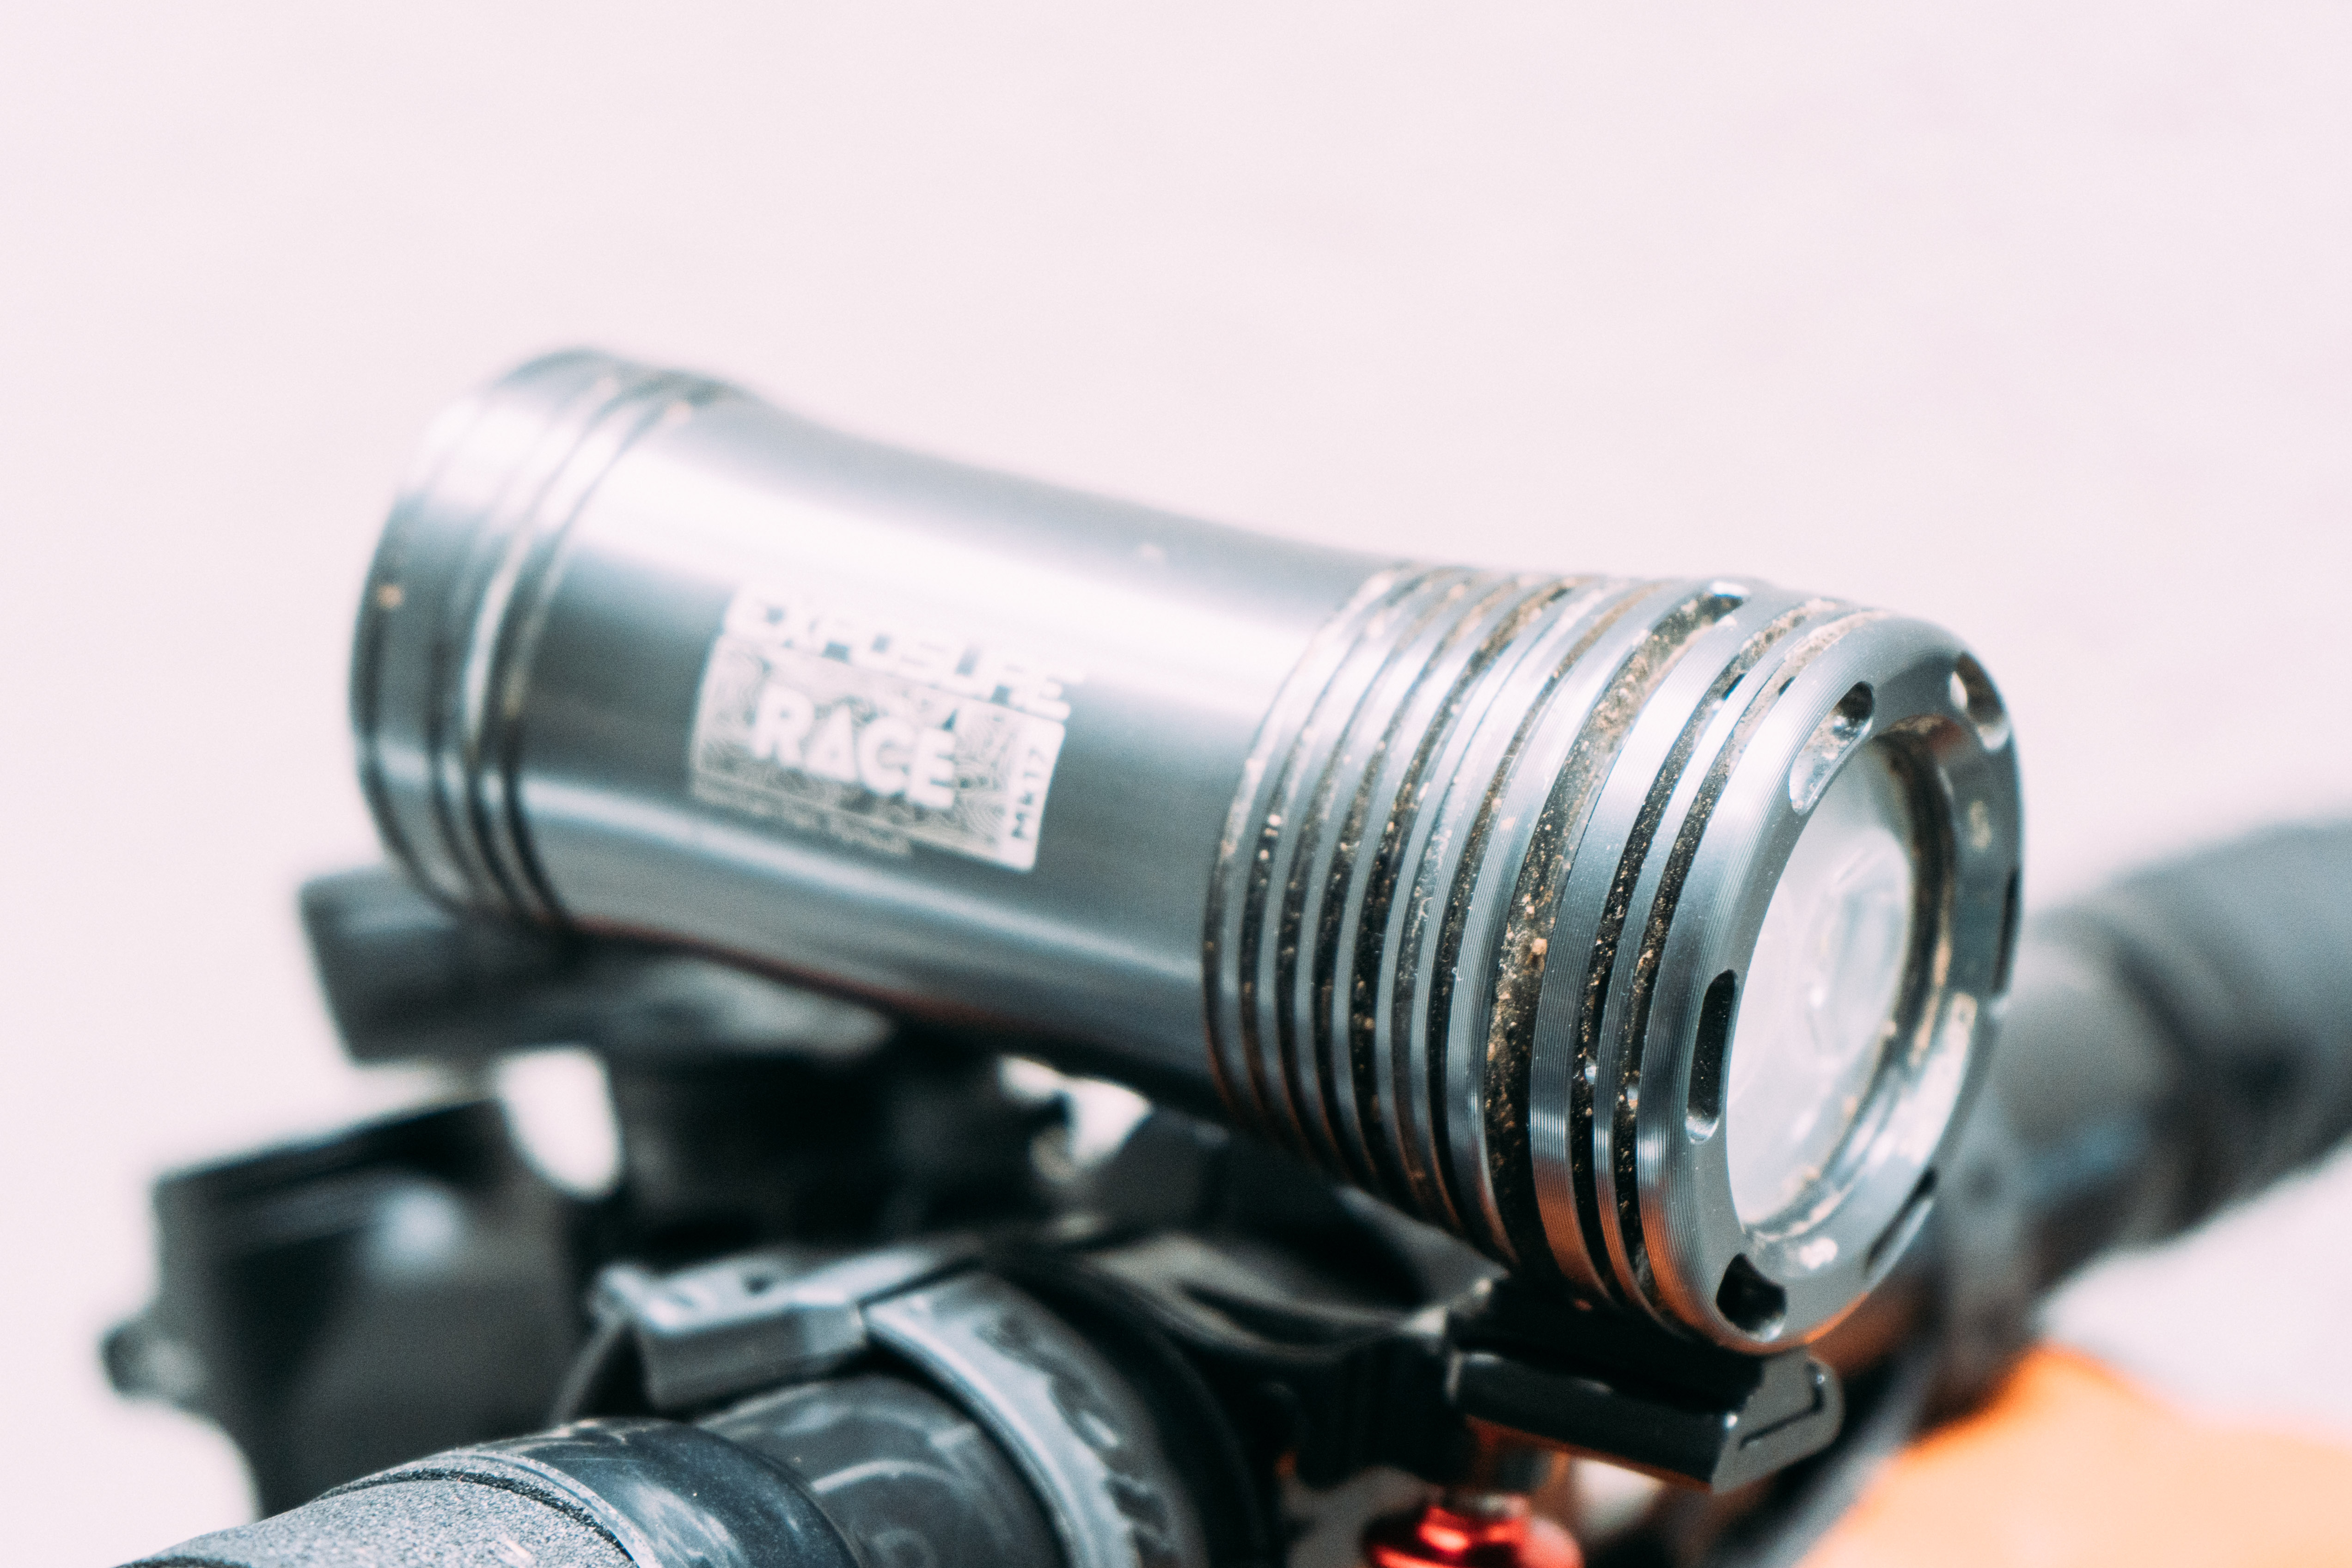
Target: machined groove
{"type": "Point", "coordinates": [1631, 1258]}
{"type": "Point", "coordinates": [1502, 1065]}
{"type": "Point", "coordinates": [1286, 835]}
{"type": "Point", "coordinates": [483, 624]}
{"type": "Point", "coordinates": [1641, 985]}
{"type": "Point", "coordinates": [1346, 885]}
{"type": "Point", "coordinates": [1566, 812]}
{"type": "Point", "coordinates": [1378, 1016]}
{"type": "Point", "coordinates": [662, 400]}
{"type": "Point", "coordinates": [1333, 999]}
{"type": "Point", "coordinates": [451, 702]}
{"type": "Point", "coordinates": [1445, 851]}
{"type": "Point", "coordinates": [1252, 833]}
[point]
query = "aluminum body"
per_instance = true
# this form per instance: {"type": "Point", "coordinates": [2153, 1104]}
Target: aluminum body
{"type": "Point", "coordinates": [1423, 871]}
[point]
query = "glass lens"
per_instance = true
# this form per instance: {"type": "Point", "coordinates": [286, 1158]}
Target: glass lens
{"type": "Point", "coordinates": [1817, 1008]}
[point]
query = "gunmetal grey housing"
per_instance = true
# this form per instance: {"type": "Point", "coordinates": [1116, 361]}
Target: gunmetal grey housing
{"type": "Point", "coordinates": [1443, 878]}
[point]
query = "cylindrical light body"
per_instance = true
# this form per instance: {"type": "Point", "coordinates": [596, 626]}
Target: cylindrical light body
{"type": "Point", "coordinates": [1445, 878]}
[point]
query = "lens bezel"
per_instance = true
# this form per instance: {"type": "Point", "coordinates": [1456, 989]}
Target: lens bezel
{"type": "Point", "coordinates": [1745, 773]}
{"type": "Point", "coordinates": [1827, 1248]}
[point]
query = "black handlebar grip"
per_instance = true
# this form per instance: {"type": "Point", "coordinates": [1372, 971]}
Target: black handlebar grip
{"type": "Point", "coordinates": [595, 1494]}
{"type": "Point", "coordinates": [2180, 1039]}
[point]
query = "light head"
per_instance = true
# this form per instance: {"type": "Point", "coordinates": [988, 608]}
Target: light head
{"type": "Point", "coordinates": [1665, 962]}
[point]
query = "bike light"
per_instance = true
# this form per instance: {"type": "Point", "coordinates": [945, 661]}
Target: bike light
{"type": "Point", "coordinates": [1645, 933]}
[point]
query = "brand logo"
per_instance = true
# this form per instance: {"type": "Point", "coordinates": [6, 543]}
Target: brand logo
{"type": "Point", "coordinates": [881, 730]}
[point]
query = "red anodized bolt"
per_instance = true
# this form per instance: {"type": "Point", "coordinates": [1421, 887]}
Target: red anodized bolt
{"type": "Point", "coordinates": [1493, 1530]}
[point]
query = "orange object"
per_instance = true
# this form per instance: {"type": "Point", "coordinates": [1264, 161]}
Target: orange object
{"type": "Point", "coordinates": [2073, 1467]}
{"type": "Point", "coordinates": [1500, 1533]}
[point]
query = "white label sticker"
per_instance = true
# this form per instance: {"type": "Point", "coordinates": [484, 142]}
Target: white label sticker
{"type": "Point", "coordinates": [877, 731]}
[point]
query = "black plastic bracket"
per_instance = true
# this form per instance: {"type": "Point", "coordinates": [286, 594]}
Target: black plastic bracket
{"type": "Point", "coordinates": [1433, 1392]}
{"type": "Point", "coordinates": [1527, 1362]}
{"type": "Point", "coordinates": [760, 1319]}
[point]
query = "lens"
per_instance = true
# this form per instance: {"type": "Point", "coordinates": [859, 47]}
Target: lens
{"type": "Point", "coordinates": [1818, 1010]}
{"type": "Point", "coordinates": [1442, 878]}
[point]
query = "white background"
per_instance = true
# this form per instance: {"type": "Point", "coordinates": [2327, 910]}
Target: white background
{"type": "Point", "coordinates": [2031, 319]}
